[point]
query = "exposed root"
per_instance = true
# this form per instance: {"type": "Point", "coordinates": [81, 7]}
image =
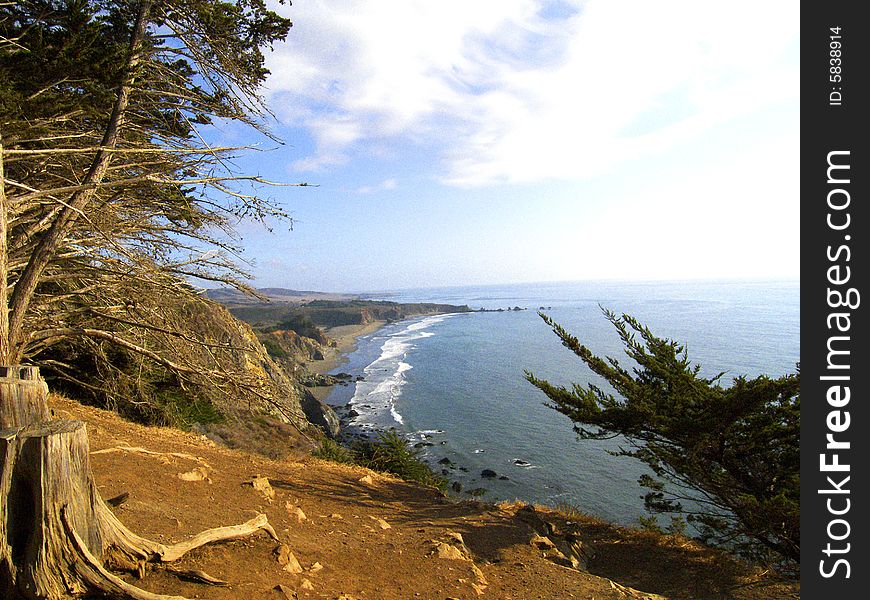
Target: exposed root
{"type": "Point", "coordinates": [140, 450]}
{"type": "Point", "coordinates": [98, 578]}
{"type": "Point", "coordinates": [198, 577]}
{"type": "Point", "coordinates": [59, 550]}
{"type": "Point", "coordinates": [218, 534]}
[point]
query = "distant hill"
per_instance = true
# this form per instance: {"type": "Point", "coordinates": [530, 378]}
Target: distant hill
{"type": "Point", "coordinates": [232, 297]}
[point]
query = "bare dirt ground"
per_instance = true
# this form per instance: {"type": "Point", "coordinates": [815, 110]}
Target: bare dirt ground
{"type": "Point", "coordinates": [367, 535]}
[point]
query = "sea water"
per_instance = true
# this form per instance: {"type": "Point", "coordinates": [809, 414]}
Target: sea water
{"type": "Point", "coordinates": [454, 384]}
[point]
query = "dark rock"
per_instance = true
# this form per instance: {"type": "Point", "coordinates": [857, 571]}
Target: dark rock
{"type": "Point", "coordinates": [319, 414]}
{"type": "Point", "coordinates": [463, 469]}
{"type": "Point", "coordinates": [352, 413]}
{"type": "Point", "coordinates": [445, 461]}
{"type": "Point", "coordinates": [504, 478]}
{"type": "Point", "coordinates": [445, 471]}
{"type": "Point", "coordinates": [488, 474]}
{"type": "Point", "coordinates": [456, 487]}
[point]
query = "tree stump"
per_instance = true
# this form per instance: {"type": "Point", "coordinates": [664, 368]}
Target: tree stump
{"type": "Point", "coordinates": [23, 397]}
{"type": "Point", "coordinates": [55, 529]}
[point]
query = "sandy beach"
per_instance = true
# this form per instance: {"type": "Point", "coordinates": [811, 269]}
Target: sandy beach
{"type": "Point", "coordinates": [345, 337]}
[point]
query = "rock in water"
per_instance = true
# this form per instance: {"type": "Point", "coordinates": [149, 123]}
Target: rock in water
{"type": "Point", "coordinates": [320, 414]}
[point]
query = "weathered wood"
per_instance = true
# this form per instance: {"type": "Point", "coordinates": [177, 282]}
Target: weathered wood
{"type": "Point", "coordinates": [45, 469]}
{"type": "Point", "coordinates": [98, 578]}
{"type": "Point", "coordinates": [23, 397]}
{"type": "Point", "coordinates": [218, 534]}
{"type": "Point", "coordinates": [56, 532]}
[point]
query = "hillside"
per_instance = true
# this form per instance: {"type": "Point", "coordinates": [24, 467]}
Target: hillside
{"type": "Point", "coordinates": [264, 398]}
{"type": "Point", "coordinates": [358, 534]}
{"type": "Point", "coordinates": [335, 313]}
{"type": "Point", "coordinates": [233, 297]}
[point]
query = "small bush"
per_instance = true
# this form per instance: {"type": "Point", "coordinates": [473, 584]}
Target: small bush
{"type": "Point", "coordinates": [304, 326]}
{"type": "Point", "coordinates": [273, 347]}
{"type": "Point", "coordinates": [182, 409]}
{"type": "Point", "coordinates": [335, 452]}
{"type": "Point", "coordinates": [572, 512]}
{"type": "Point", "coordinates": [650, 523]}
{"type": "Point", "coordinates": [389, 453]}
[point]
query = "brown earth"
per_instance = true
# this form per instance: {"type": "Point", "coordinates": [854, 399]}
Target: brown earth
{"type": "Point", "coordinates": [367, 535]}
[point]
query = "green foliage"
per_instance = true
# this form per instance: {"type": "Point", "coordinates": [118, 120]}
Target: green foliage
{"type": "Point", "coordinates": [389, 453]}
{"type": "Point", "coordinates": [651, 523]}
{"type": "Point", "coordinates": [571, 511]}
{"type": "Point", "coordinates": [183, 409]}
{"type": "Point", "coordinates": [304, 326]}
{"type": "Point", "coordinates": [68, 51]}
{"type": "Point", "coordinates": [273, 347]}
{"type": "Point", "coordinates": [335, 452]}
{"type": "Point", "coordinates": [726, 458]}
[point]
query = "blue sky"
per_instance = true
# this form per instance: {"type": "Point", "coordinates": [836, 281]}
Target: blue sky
{"type": "Point", "coordinates": [487, 142]}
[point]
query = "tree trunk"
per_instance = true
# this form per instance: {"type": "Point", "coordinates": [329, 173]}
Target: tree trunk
{"type": "Point", "coordinates": [23, 397]}
{"type": "Point", "coordinates": [55, 529]}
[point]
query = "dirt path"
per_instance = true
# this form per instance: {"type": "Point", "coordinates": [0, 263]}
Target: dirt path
{"type": "Point", "coordinates": [366, 535]}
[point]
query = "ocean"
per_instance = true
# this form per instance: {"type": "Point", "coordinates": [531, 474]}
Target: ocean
{"type": "Point", "coordinates": [454, 385]}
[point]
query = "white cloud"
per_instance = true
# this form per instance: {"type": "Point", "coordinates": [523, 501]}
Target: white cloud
{"type": "Point", "coordinates": [512, 96]}
{"type": "Point", "coordinates": [385, 185]}
{"type": "Point", "coordinates": [735, 218]}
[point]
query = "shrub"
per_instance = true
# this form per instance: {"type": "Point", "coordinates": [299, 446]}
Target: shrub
{"type": "Point", "coordinates": [727, 458]}
{"type": "Point", "coordinates": [335, 452]}
{"type": "Point", "coordinates": [389, 453]}
{"type": "Point", "coordinates": [273, 347]}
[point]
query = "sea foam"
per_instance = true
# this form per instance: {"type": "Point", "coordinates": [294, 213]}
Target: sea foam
{"type": "Point", "coordinates": [374, 399]}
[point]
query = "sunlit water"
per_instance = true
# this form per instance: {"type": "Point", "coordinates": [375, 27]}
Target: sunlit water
{"type": "Point", "coordinates": [456, 381]}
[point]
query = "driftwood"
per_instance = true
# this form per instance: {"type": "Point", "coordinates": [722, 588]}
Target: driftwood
{"type": "Point", "coordinates": [56, 532]}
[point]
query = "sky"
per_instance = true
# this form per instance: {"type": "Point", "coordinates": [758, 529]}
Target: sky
{"type": "Point", "coordinates": [484, 142]}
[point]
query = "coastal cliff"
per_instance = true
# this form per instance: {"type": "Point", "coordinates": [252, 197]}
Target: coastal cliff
{"type": "Point", "coordinates": [330, 313]}
{"type": "Point", "coordinates": [234, 389]}
{"type": "Point", "coordinates": [294, 329]}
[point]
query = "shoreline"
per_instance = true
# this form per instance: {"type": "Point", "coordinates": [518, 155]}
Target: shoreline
{"type": "Point", "coordinates": [346, 337]}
